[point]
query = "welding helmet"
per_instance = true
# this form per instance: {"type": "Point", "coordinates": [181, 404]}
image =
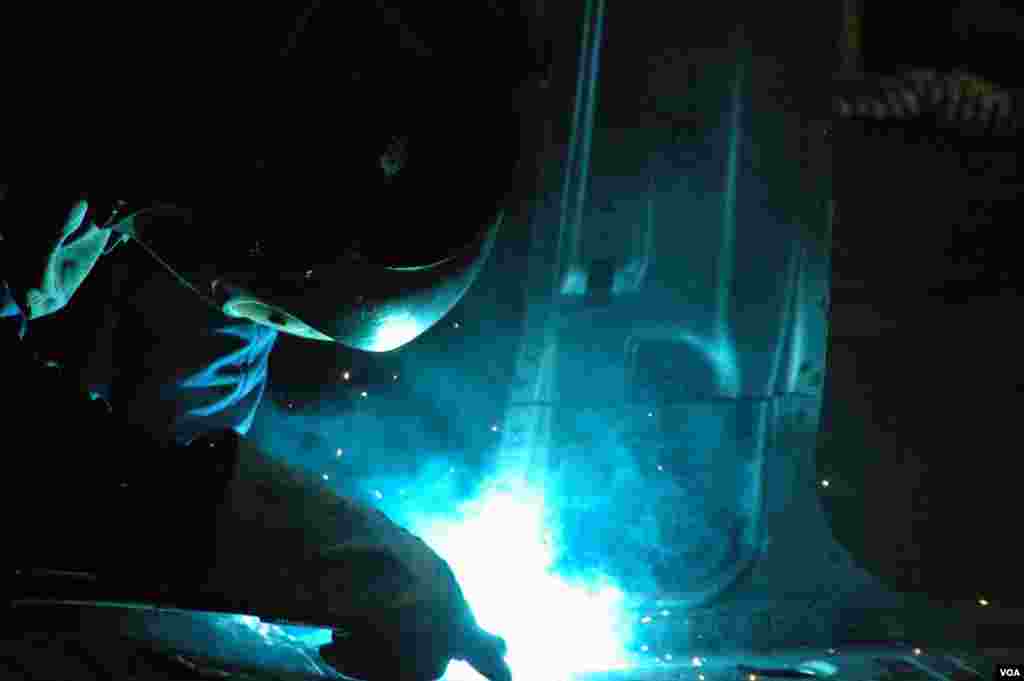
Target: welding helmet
{"type": "Point", "coordinates": [352, 205]}
{"type": "Point", "coordinates": [366, 233]}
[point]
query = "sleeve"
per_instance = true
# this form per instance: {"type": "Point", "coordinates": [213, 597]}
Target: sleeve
{"type": "Point", "coordinates": [212, 379]}
{"type": "Point", "coordinates": [225, 393]}
{"type": "Point", "coordinates": [182, 370]}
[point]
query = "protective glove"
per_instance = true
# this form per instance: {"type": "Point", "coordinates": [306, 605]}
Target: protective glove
{"type": "Point", "coordinates": [290, 549]}
{"type": "Point", "coordinates": [416, 635]}
{"type": "Point", "coordinates": [416, 643]}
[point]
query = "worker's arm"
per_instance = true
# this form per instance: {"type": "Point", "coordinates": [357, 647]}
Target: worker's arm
{"type": "Point", "coordinates": [290, 548]}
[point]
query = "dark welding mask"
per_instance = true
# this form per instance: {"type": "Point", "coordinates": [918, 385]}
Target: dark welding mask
{"type": "Point", "coordinates": [369, 212]}
{"type": "Point", "coordinates": [367, 240]}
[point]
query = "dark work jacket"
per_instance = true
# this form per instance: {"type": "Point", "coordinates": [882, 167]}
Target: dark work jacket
{"type": "Point", "coordinates": [127, 486]}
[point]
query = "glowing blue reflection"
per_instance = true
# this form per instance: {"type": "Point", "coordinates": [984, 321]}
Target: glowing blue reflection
{"type": "Point", "coordinates": [395, 331]}
{"type": "Point", "coordinates": [721, 354]}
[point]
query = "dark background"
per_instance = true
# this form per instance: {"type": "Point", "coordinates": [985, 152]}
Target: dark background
{"type": "Point", "coordinates": [925, 372]}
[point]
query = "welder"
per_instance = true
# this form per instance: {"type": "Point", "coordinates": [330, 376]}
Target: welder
{"type": "Point", "coordinates": [362, 222]}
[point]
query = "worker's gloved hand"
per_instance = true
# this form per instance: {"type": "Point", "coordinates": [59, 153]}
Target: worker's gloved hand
{"type": "Point", "coordinates": [414, 618]}
{"type": "Point", "coordinates": [485, 652]}
{"type": "Point", "coordinates": [396, 607]}
{"type": "Point", "coordinates": [416, 641]}
{"type": "Point", "coordinates": [416, 646]}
